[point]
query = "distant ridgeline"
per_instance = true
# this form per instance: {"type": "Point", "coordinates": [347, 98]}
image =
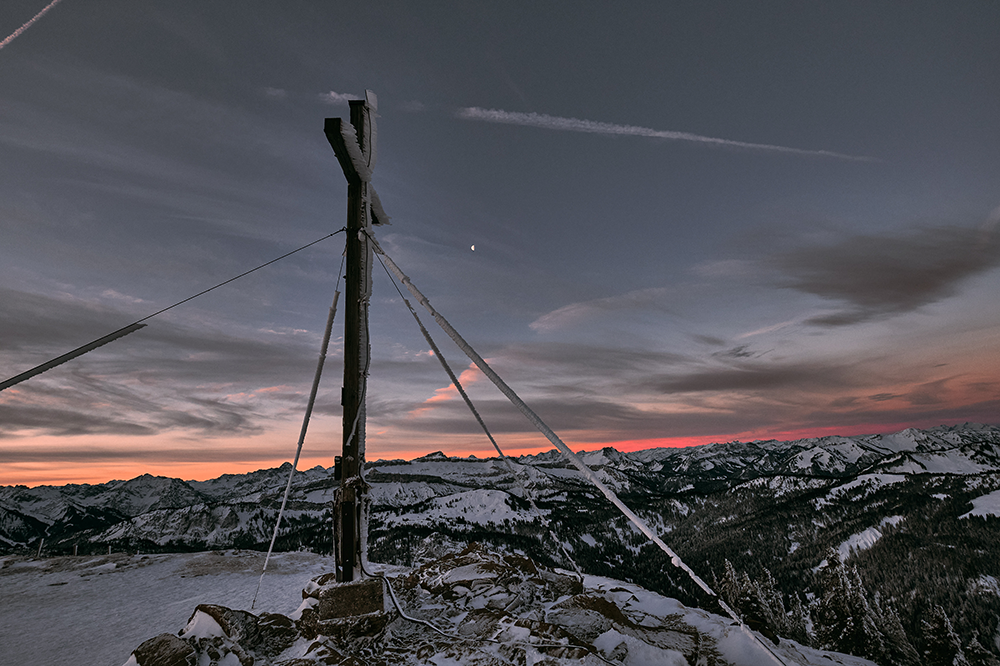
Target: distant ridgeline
{"type": "Point", "coordinates": [885, 546]}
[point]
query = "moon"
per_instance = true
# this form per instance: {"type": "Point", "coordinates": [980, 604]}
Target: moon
{"type": "Point", "coordinates": [473, 248]}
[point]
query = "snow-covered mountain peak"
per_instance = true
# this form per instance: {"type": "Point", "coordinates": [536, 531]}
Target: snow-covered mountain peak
{"type": "Point", "coordinates": [146, 493]}
{"type": "Point", "coordinates": [432, 457]}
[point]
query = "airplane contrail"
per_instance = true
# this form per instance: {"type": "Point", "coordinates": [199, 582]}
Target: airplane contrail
{"type": "Point", "coordinates": [27, 25]}
{"type": "Point", "coordinates": [594, 127]}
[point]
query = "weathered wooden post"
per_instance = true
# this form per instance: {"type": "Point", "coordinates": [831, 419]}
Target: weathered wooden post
{"type": "Point", "coordinates": [355, 150]}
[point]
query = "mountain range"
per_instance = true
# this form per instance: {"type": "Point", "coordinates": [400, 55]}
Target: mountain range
{"type": "Point", "coordinates": [913, 517]}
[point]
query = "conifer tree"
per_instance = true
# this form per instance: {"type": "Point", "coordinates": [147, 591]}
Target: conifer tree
{"type": "Point", "coordinates": [751, 603]}
{"type": "Point", "coordinates": [833, 617]}
{"type": "Point", "coordinates": [844, 620]}
{"type": "Point", "coordinates": [977, 655]}
{"type": "Point", "coordinates": [798, 621]}
{"type": "Point", "coordinates": [898, 649]}
{"type": "Point", "coordinates": [730, 588]}
{"type": "Point", "coordinates": [758, 604]}
{"type": "Point", "coordinates": [941, 644]}
{"type": "Point", "coordinates": [771, 601]}
{"type": "Point", "coordinates": [868, 636]}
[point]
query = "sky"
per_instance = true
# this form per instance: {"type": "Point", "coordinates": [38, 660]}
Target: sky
{"type": "Point", "coordinates": [663, 224]}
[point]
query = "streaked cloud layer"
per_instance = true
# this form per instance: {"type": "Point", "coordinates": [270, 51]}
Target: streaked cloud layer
{"type": "Point", "coordinates": [831, 266]}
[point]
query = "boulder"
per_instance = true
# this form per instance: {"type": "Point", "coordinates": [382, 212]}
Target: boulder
{"type": "Point", "coordinates": [165, 650]}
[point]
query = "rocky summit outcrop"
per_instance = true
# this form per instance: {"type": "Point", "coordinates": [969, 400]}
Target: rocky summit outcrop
{"type": "Point", "coordinates": [477, 607]}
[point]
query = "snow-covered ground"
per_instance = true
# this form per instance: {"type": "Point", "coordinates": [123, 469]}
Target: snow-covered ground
{"type": "Point", "coordinates": [985, 505]}
{"type": "Point", "coordinates": [733, 642]}
{"type": "Point", "coordinates": [865, 539]}
{"type": "Point", "coordinates": [93, 611]}
{"type": "Point", "coordinates": [481, 506]}
{"type": "Point", "coordinates": [868, 483]}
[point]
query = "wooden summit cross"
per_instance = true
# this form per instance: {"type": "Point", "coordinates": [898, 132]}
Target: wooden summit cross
{"type": "Point", "coordinates": [354, 146]}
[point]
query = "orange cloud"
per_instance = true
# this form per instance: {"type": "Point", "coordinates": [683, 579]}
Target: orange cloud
{"type": "Point", "coordinates": [469, 376]}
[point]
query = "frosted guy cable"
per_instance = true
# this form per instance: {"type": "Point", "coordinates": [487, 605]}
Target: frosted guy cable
{"type": "Point", "coordinates": [324, 347]}
{"type": "Point", "coordinates": [559, 444]}
{"type": "Point", "coordinates": [479, 419]}
{"type": "Point", "coordinates": [79, 351]}
{"type": "Point", "coordinates": [302, 437]}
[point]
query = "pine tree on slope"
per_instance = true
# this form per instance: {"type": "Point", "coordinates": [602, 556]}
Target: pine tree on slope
{"type": "Point", "coordinates": [898, 649]}
{"type": "Point", "coordinates": [941, 644]}
{"type": "Point", "coordinates": [798, 621]}
{"type": "Point", "coordinates": [759, 605]}
{"type": "Point", "coordinates": [977, 655]}
{"type": "Point", "coordinates": [844, 621]}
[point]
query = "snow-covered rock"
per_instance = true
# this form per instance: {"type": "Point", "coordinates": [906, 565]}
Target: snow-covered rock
{"type": "Point", "coordinates": [478, 607]}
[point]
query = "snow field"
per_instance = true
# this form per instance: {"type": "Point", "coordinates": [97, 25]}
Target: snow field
{"type": "Point", "coordinates": [482, 507]}
{"type": "Point", "coordinates": [985, 505]}
{"type": "Point", "coordinates": [93, 611]}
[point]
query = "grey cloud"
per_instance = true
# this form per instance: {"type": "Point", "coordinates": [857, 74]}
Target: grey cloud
{"type": "Point", "coordinates": [774, 395]}
{"type": "Point", "coordinates": [87, 405]}
{"type": "Point", "coordinates": [141, 453]}
{"type": "Point", "coordinates": [453, 417]}
{"type": "Point", "coordinates": [64, 421]}
{"type": "Point", "coordinates": [740, 351]}
{"type": "Point", "coordinates": [845, 318]}
{"type": "Point", "coordinates": [570, 371]}
{"type": "Point", "coordinates": [877, 276]}
{"type": "Point", "coordinates": [33, 321]}
{"type": "Point", "coordinates": [181, 159]}
{"type": "Point", "coordinates": [586, 419]}
{"type": "Point", "coordinates": [214, 416]}
{"type": "Point", "coordinates": [213, 356]}
{"type": "Point", "coordinates": [937, 392]}
{"type": "Point", "coordinates": [586, 358]}
{"type": "Point", "coordinates": [576, 313]}
{"type": "Point", "coordinates": [166, 355]}
{"type": "Point", "coordinates": [708, 340]}
{"type": "Point", "coordinates": [161, 378]}
{"type": "Point", "coordinates": [931, 393]}
{"type": "Point", "coordinates": [983, 411]}
{"type": "Point", "coordinates": [751, 377]}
